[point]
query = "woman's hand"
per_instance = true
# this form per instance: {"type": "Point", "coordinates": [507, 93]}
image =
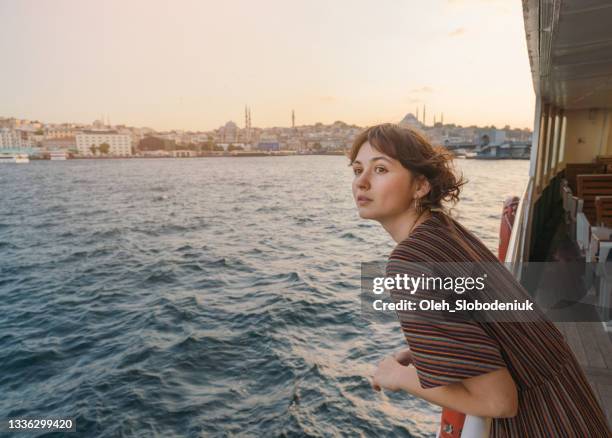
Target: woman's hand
{"type": "Point", "coordinates": [493, 394]}
{"type": "Point", "coordinates": [388, 375]}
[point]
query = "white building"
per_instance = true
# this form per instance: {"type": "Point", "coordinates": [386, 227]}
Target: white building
{"type": "Point", "coordinates": [14, 138]}
{"type": "Point", "coordinates": [119, 144]}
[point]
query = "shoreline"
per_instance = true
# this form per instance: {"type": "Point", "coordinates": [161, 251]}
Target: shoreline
{"type": "Point", "coordinates": [226, 155]}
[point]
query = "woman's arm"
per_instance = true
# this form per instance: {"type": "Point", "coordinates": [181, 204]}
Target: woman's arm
{"type": "Point", "coordinates": [492, 394]}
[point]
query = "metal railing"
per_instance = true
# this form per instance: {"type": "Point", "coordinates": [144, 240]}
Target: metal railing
{"type": "Point", "coordinates": [516, 247]}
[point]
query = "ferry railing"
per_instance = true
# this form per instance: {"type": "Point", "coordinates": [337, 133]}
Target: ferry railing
{"type": "Point", "coordinates": [574, 206]}
{"type": "Point", "coordinates": [603, 278]}
{"type": "Point", "coordinates": [516, 247]}
{"type": "Point", "coordinates": [583, 231]}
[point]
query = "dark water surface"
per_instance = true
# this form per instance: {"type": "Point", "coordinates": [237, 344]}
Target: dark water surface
{"type": "Point", "coordinates": [203, 297]}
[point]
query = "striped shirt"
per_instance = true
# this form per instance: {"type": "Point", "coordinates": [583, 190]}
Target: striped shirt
{"type": "Point", "coordinates": [555, 399]}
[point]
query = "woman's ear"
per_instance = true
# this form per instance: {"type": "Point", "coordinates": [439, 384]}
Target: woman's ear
{"type": "Point", "coordinates": [424, 187]}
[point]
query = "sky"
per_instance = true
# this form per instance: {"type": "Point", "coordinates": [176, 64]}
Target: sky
{"type": "Point", "coordinates": [194, 65]}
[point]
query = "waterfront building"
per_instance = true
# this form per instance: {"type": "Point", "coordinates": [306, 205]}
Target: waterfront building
{"type": "Point", "coordinates": [15, 138]}
{"type": "Point", "coordinates": [59, 143]}
{"type": "Point", "coordinates": [294, 144]}
{"type": "Point", "coordinates": [60, 132]}
{"type": "Point", "coordinates": [119, 144]}
{"type": "Point", "coordinates": [268, 146]}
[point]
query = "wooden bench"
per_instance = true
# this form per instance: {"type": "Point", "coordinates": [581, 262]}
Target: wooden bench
{"type": "Point", "coordinates": [603, 211]}
{"type": "Point", "coordinates": [572, 170]}
{"type": "Point", "coordinates": [606, 160]}
{"type": "Point", "coordinates": [589, 187]}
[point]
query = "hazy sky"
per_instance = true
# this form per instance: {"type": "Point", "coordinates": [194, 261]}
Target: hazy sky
{"type": "Point", "coordinates": [195, 64]}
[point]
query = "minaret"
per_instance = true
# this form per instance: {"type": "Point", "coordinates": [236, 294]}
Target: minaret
{"type": "Point", "coordinates": [247, 123]}
{"type": "Point", "coordinates": [442, 119]}
{"type": "Point", "coordinates": [293, 119]}
{"type": "Point", "coordinates": [417, 113]}
{"type": "Point", "coordinates": [434, 120]}
{"type": "Point", "coordinates": [424, 117]}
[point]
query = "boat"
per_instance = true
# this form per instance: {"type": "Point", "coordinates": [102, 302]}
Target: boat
{"type": "Point", "coordinates": [22, 159]}
{"type": "Point", "coordinates": [58, 156]}
{"type": "Point", "coordinates": [572, 127]}
{"type": "Point", "coordinates": [14, 158]}
{"type": "Point", "coordinates": [563, 217]}
{"type": "Point", "coordinates": [460, 153]}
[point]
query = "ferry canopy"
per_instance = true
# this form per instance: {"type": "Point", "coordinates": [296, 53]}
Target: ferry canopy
{"type": "Point", "coordinates": [570, 51]}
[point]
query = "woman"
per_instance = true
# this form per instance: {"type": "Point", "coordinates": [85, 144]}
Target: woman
{"type": "Point", "coordinates": [523, 375]}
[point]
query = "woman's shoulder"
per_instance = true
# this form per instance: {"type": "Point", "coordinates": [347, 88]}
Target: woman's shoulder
{"type": "Point", "coordinates": [440, 238]}
{"type": "Point", "coordinates": [425, 242]}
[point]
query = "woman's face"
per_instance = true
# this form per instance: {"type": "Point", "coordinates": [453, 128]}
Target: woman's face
{"type": "Point", "coordinates": [382, 187]}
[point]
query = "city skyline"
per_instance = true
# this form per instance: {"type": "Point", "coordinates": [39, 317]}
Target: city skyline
{"type": "Point", "coordinates": [103, 122]}
{"type": "Point", "coordinates": [342, 61]}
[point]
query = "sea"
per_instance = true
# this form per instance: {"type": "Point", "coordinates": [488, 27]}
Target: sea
{"type": "Point", "coordinates": [204, 297]}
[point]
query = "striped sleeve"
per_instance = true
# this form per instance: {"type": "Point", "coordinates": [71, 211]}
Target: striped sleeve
{"type": "Point", "coordinates": [446, 347]}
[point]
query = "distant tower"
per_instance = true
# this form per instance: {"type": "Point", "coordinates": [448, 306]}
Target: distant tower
{"type": "Point", "coordinates": [442, 119]}
{"type": "Point", "coordinates": [247, 123]}
{"type": "Point", "coordinates": [293, 119]}
{"type": "Point", "coordinates": [417, 114]}
{"type": "Point", "coordinates": [434, 120]}
{"type": "Point", "coordinates": [424, 117]}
